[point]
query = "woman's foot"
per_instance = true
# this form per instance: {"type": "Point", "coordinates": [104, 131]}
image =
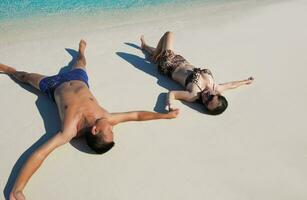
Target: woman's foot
{"type": "Point", "coordinates": [148, 49]}
{"type": "Point", "coordinates": [142, 42]}
{"type": "Point", "coordinates": [7, 69]}
{"type": "Point", "coordinates": [82, 45]}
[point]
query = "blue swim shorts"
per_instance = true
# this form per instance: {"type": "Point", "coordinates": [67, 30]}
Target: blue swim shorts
{"type": "Point", "coordinates": [48, 84]}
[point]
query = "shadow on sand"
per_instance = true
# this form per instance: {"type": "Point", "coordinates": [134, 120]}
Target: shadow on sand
{"type": "Point", "coordinates": [48, 111]}
{"type": "Point", "coordinates": [149, 68]}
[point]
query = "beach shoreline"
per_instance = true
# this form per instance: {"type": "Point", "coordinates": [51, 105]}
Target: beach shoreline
{"type": "Point", "coordinates": [47, 26]}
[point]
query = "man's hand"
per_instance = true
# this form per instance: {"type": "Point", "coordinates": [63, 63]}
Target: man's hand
{"type": "Point", "coordinates": [18, 195]}
{"type": "Point", "coordinates": [179, 95]}
{"type": "Point", "coordinates": [173, 113]}
{"type": "Point", "coordinates": [170, 107]}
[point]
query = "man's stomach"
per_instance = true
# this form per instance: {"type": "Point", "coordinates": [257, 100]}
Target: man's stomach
{"type": "Point", "coordinates": [72, 94]}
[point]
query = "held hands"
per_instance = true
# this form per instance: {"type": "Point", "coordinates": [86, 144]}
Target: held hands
{"type": "Point", "coordinates": [169, 107]}
{"type": "Point", "coordinates": [173, 113]}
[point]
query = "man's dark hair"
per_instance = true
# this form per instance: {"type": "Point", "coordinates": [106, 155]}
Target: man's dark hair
{"type": "Point", "coordinates": [97, 143]}
{"type": "Point", "coordinates": [221, 108]}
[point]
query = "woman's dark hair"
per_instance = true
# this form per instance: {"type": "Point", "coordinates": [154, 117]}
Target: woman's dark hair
{"type": "Point", "coordinates": [97, 143]}
{"type": "Point", "coordinates": [221, 108]}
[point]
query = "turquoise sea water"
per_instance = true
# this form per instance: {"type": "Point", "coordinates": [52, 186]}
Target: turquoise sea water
{"type": "Point", "coordinates": [24, 20]}
{"type": "Point", "coordinates": [13, 9]}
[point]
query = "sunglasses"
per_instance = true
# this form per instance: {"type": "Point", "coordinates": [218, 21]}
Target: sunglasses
{"type": "Point", "coordinates": [210, 98]}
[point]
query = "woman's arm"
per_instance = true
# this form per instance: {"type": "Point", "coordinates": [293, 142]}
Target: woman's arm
{"type": "Point", "coordinates": [234, 84]}
{"type": "Point", "coordinates": [34, 162]}
{"type": "Point", "coordinates": [179, 95]}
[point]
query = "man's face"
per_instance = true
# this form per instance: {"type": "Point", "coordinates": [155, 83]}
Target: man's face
{"type": "Point", "coordinates": [102, 126]}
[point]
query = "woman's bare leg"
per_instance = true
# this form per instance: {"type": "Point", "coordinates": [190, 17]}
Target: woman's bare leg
{"type": "Point", "coordinates": [165, 43]}
{"type": "Point", "coordinates": [168, 41]}
{"type": "Point", "coordinates": [24, 77]}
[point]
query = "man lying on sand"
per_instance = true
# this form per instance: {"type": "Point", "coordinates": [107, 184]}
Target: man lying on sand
{"type": "Point", "coordinates": [80, 113]}
{"type": "Point", "coordinates": [198, 83]}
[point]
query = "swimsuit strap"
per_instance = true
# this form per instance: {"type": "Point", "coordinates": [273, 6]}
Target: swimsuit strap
{"type": "Point", "coordinates": [199, 87]}
{"type": "Point", "coordinates": [195, 77]}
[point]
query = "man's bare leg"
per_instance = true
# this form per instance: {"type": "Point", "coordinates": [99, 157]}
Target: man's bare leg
{"type": "Point", "coordinates": [165, 43]}
{"type": "Point", "coordinates": [24, 77]}
{"type": "Point", "coordinates": [81, 61]}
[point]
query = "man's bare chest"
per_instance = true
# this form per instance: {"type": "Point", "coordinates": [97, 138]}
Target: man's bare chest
{"type": "Point", "coordinates": [73, 97]}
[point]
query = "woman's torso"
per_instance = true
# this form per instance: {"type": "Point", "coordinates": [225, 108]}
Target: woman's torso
{"type": "Point", "coordinates": [186, 75]}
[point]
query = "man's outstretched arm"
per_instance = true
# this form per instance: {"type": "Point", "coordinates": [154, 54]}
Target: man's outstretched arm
{"type": "Point", "coordinates": [34, 162]}
{"type": "Point", "coordinates": [141, 116]}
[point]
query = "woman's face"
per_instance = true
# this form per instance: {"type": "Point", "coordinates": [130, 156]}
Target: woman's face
{"type": "Point", "coordinates": [210, 100]}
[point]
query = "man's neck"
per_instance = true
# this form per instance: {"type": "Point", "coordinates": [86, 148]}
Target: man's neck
{"type": "Point", "coordinates": [86, 123]}
{"type": "Point", "coordinates": [91, 118]}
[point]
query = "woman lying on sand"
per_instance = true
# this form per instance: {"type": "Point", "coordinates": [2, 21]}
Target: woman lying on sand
{"type": "Point", "coordinates": [198, 83]}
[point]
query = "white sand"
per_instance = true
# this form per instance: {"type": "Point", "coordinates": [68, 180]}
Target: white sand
{"type": "Point", "coordinates": [255, 150]}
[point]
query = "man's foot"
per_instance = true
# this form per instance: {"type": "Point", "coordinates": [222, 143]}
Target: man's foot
{"type": "Point", "coordinates": [82, 45]}
{"type": "Point", "coordinates": [17, 196]}
{"type": "Point", "coordinates": [142, 41]}
{"type": "Point", "coordinates": [7, 69]}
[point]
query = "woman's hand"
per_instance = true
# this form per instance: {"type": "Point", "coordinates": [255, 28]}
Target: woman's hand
{"type": "Point", "coordinates": [249, 80]}
{"type": "Point", "coordinates": [18, 195]}
{"type": "Point", "coordinates": [173, 113]}
{"type": "Point", "coordinates": [169, 107]}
